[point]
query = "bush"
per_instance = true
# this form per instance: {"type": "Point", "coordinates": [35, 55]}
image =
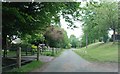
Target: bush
{"type": "Point", "coordinates": [111, 40]}
{"type": "Point", "coordinates": [100, 40]}
{"type": "Point", "coordinates": [34, 47]}
{"type": "Point", "coordinates": [104, 40]}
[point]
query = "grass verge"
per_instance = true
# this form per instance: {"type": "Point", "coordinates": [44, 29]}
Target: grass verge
{"type": "Point", "coordinates": [100, 52]}
{"type": "Point", "coordinates": [28, 67]}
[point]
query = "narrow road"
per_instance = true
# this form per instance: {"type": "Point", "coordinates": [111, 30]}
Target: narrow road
{"type": "Point", "coordinates": [69, 61]}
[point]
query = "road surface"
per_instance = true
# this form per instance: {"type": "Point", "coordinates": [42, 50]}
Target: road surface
{"type": "Point", "coordinates": [69, 61]}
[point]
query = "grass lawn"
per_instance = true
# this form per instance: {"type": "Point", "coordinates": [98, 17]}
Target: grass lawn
{"type": "Point", "coordinates": [28, 67]}
{"type": "Point", "coordinates": [100, 52]}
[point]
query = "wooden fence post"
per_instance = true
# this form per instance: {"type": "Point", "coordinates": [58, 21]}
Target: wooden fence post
{"type": "Point", "coordinates": [19, 57]}
{"type": "Point", "coordinates": [52, 51]}
{"type": "Point", "coordinates": [38, 53]}
{"type": "Point", "coordinates": [26, 51]}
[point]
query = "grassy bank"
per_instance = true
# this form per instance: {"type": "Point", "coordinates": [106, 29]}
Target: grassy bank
{"type": "Point", "coordinates": [28, 67]}
{"type": "Point", "coordinates": [100, 52]}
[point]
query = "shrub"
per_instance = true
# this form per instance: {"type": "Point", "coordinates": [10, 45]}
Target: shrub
{"type": "Point", "coordinates": [34, 47]}
{"type": "Point", "coordinates": [111, 40]}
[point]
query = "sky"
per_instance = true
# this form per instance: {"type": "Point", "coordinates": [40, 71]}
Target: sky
{"type": "Point", "coordinates": [76, 31]}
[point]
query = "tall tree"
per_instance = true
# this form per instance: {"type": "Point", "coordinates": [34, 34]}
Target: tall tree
{"type": "Point", "coordinates": [56, 37]}
{"type": "Point", "coordinates": [28, 17]}
{"type": "Point", "coordinates": [74, 41]}
{"type": "Point", "coordinates": [99, 18]}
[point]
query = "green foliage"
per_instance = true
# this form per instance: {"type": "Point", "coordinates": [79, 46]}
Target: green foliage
{"type": "Point", "coordinates": [99, 18]}
{"type": "Point", "coordinates": [33, 38]}
{"type": "Point", "coordinates": [68, 46]}
{"type": "Point", "coordinates": [34, 47]}
{"type": "Point", "coordinates": [26, 17]}
{"type": "Point", "coordinates": [65, 41]}
{"type": "Point", "coordinates": [30, 18]}
{"type": "Point", "coordinates": [105, 38]}
{"type": "Point", "coordinates": [83, 41]}
{"type": "Point", "coordinates": [49, 53]}
{"type": "Point", "coordinates": [74, 41]}
{"type": "Point", "coordinates": [56, 37]}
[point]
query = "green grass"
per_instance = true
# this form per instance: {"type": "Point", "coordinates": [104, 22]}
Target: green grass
{"type": "Point", "coordinates": [28, 67]}
{"type": "Point", "coordinates": [100, 52]}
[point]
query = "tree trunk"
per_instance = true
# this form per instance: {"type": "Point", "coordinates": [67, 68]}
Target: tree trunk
{"type": "Point", "coordinates": [38, 53]}
{"type": "Point", "coordinates": [6, 46]}
{"type": "Point", "coordinates": [4, 39]}
{"type": "Point", "coordinates": [113, 35]}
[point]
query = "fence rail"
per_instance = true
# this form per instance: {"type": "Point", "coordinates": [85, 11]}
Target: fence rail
{"type": "Point", "coordinates": [51, 51]}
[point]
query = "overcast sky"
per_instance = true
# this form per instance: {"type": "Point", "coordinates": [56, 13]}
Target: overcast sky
{"type": "Point", "coordinates": [77, 31]}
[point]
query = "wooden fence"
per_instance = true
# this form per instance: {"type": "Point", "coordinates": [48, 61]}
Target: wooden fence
{"type": "Point", "coordinates": [39, 52]}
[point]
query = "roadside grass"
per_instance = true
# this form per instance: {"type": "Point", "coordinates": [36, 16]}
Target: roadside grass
{"type": "Point", "coordinates": [100, 52]}
{"type": "Point", "coordinates": [27, 68]}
